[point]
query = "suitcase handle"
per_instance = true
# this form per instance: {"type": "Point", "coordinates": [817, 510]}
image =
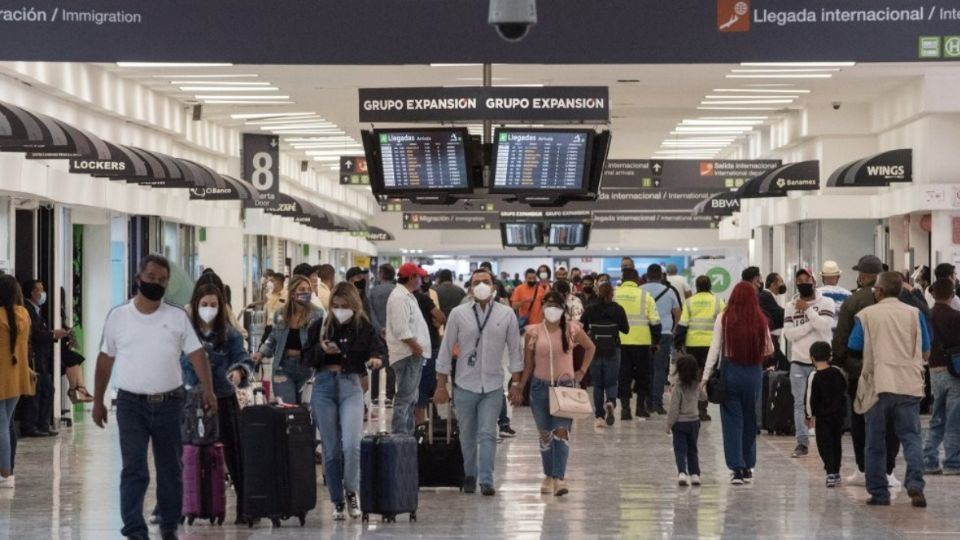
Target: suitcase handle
{"type": "Point", "coordinates": [430, 409]}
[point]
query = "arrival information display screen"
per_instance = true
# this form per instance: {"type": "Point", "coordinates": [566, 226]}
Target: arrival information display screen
{"type": "Point", "coordinates": [521, 234]}
{"type": "Point", "coordinates": [540, 161]}
{"type": "Point", "coordinates": [567, 234]}
{"type": "Point", "coordinates": [423, 160]}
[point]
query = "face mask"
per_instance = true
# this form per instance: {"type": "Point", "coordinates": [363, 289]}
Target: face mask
{"type": "Point", "coordinates": [304, 298]}
{"type": "Point", "coordinates": [152, 291]}
{"type": "Point", "coordinates": [532, 282]}
{"type": "Point", "coordinates": [805, 289]}
{"type": "Point", "coordinates": [588, 289]}
{"type": "Point", "coordinates": [208, 313]}
{"type": "Point", "coordinates": [343, 315]}
{"type": "Point", "coordinates": [43, 298]}
{"type": "Point", "coordinates": [782, 289]}
{"type": "Point", "coordinates": [544, 276]}
{"type": "Point", "coordinates": [552, 314]}
{"type": "Point", "coordinates": [360, 285]}
{"type": "Point", "coordinates": [482, 291]}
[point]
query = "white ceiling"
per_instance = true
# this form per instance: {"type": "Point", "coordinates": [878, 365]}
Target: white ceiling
{"type": "Point", "coordinates": [643, 112]}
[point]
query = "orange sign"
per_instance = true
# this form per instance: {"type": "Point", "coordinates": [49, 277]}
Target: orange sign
{"type": "Point", "coordinates": [733, 15]}
{"type": "Point", "coordinates": [706, 168]}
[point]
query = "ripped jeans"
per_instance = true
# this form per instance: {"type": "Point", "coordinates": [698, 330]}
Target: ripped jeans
{"type": "Point", "coordinates": [554, 451]}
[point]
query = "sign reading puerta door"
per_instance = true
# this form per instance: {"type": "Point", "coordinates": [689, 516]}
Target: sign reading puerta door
{"type": "Point", "coordinates": [261, 167]}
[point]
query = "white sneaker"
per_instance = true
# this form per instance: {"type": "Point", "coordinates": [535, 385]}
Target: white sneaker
{"type": "Point", "coordinates": [856, 479]}
{"type": "Point", "coordinates": [694, 479]}
{"type": "Point", "coordinates": [547, 486]}
{"type": "Point", "coordinates": [600, 423]}
{"type": "Point", "coordinates": [8, 482]}
{"type": "Point", "coordinates": [683, 480]}
{"type": "Point", "coordinates": [892, 482]}
{"type": "Point", "coordinates": [338, 512]}
{"type": "Point", "coordinates": [353, 506]}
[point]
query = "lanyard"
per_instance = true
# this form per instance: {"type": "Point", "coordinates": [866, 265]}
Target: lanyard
{"type": "Point", "coordinates": [481, 326]}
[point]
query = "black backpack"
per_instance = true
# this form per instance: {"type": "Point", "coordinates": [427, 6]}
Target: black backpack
{"type": "Point", "coordinates": [605, 336]}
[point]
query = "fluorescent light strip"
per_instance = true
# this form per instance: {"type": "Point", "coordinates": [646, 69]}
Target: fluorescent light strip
{"type": "Point", "coordinates": [326, 158]}
{"type": "Point", "coordinates": [294, 120]}
{"type": "Point", "coordinates": [756, 90]}
{"type": "Point", "coordinates": [168, 64]}
{"type": "Point", "coordinates": [244, 116]}
{"type": "Point", "coordinates": [224, 83]}
{"type": "Point", "coordinates": [734, 117]}
{"type": "Point", "coordinates": [724, 122]}
{"type": "Point", "coordinates": [229, 88]}
{"type": "Point", "coordinates": [768, 85]}
{"type": "Point", "coordinates": [711, 129]}
{"type": "Point", "coordinates": [782, 76]}
{"type": "Point", "coordinates": [443, 65]}
{"type": "Point", "coordinates": [787, 97]}
{"type": "Point", "coordinates": [214, 96]}
{"type": "Point", "coordinates": [798, 64]}
{"type": "Point", "coordinates": [802, 70]}
{"type": "Point", "coordinates": [319, 127]}
{"type": "Point", "coordinates": [702, 108]}
{"type": "Point", "coordinates": [209, 76]}
{"type": "Point", "coordinates": [316, 139]}
{"type": "Point", "coordinates": [243, 102]}
{"type": "Point", "coordinates": [746, 102]}
{"type": "Point", "coordinates": [325, 152]}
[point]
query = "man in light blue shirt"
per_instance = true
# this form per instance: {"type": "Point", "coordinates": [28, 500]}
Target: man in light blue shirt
{"type": "Point", "coordinates": [482, 329]}
{"type": "Point", "coordinates": [669, 308]}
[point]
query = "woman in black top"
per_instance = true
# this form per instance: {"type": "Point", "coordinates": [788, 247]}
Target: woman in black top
{"type": "Point", "coordinates": [604, 320]}
{"type": "Point", "coordinates": [345, 344]}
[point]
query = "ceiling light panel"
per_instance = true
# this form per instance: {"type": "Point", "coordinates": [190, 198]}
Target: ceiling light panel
{"type": "Point", "coordinates": [168, 65]}
{"type": "Point", "coordinates": [718, 108]}
{"type": "Point", "coordinates": [216, 96]}
{"type": "Point", "coordinates": [209, 76]}
{"type": "Point", "coordinates": [243, 102]}
{"type": "Point", "coordinates": [779, 76]}
{"type": "Point", "coordinates": [223, 83]}
{"type": "Point", "coordinates": [246, 116]}
{"type": "Point", "coordinates": [758, 90]}
{"type": "Point", "coordinates": [800, 70]}
{"type": "Point", "coordinates": [798, 64]}
{"type": "Point", "coordinates": [224, 88]}
{"type": "Point", "coordinates": [789, 98]}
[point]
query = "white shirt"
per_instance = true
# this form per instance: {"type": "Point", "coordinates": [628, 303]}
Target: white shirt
{"type": "Point", "coordinates": [804, 328]}
{"type": "Point", "coordinates": [147, 348]}
{"type": "Point", "coordinates": [954, 302]}
{"type": "Point", "coordinates": [404, 321]}
{"type": "Point", "coordinates": [500, 336]}
{"type": "Point", "coordinates": [680, 284]}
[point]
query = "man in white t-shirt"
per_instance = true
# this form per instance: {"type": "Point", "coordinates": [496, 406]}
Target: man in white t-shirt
{"type": "Point", "coordinates": [944, 271]}
{"type": "Point", "coordinates": [141, 346]}
{"type": "Point", "coordinates": [679, 282]}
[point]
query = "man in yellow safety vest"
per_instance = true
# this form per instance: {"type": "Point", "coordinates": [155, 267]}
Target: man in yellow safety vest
{"type": "Point", "coordinates": [695, 331]}
{"type": "Point", "coordinates": [636, 360]}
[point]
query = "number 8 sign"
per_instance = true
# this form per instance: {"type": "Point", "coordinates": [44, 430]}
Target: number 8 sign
{"type": "Point", "coordinates": [261, 160]}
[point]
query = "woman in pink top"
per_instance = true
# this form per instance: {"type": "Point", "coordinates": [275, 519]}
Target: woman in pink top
{"type": "Point", "coordinates": [554, 340]}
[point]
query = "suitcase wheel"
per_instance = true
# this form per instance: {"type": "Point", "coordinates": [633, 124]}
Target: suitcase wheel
{"type": "Point", "coordinates": [303, 519]}
{"type": "Point", "coordinates": [390, 518]}
{"type": "Point", "coordinates": [190, 520]}
{"type": "Point", "coordinates": [275, 522]}
{"type": "Point", "coordinates": [220, 521]}
{"type": "Point", "coordinates": [366, 517]}
{"type": "Point", "coordinates": [413, 516]}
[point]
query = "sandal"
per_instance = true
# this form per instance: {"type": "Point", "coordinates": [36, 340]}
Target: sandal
{"type": "Point", "coordinates": [82, 394]}
{"type": "Point", "coordinates": [72, 394]}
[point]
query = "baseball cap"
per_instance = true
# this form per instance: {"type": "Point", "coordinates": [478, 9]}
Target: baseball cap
{"type": "Point", "coordinates": [869, 264]}
{"type": "Point", "coordinates": [411, 269]}
{"type": "Point", "coordinates": [355, 271]}
{"type": "Point", "coordinates": [830, 268]}
{"type": "Point", "coordinates": [803, 271]}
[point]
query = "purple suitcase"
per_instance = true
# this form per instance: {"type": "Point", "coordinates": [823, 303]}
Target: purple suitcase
{"type": "Point", "coordinates": [204, 484]}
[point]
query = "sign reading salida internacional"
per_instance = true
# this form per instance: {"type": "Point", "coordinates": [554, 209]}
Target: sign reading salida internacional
{"type": "Point", "coordinates": [553, 103]}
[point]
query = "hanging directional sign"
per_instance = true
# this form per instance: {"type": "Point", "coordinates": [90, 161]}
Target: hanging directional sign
{"type": "Point", "coordinates": [353, 171]}
{"type": "Point", "coordinates": [261, 165]}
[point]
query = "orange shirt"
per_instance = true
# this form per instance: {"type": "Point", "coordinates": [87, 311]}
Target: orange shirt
{"type": "Point", "coordinates": [525, 293]}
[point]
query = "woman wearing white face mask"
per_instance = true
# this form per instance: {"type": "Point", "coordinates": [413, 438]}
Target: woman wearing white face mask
{"type": "Point", "coordinates": [345, 344]}
{"type": "Point", "coordinates": [229, 364]}
{"type": "Point", "coordinates": [548, 358]}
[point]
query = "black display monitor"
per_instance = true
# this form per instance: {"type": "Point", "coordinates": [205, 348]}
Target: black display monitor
{"type": "Point", "coordinates": [407, 161]}
{"type": "Point", "coordinates": [523, 235]}
{"type": "Point", "coordinates": [568, 235]}
{"type": "Point", "coordinates": [542, 161]}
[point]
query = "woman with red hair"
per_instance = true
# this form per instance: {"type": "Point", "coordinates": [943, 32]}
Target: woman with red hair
{"type": "Point", "coordinates": [741, 340]}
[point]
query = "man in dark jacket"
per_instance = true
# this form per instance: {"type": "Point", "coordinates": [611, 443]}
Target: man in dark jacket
{"type": "Point", "coordinates": [36, 412]}
{"type": "Point", "coordinates": [774, 286]}
{"type": "Point", "coordinates": [869, 267]}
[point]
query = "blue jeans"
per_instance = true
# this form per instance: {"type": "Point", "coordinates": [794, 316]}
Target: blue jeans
{"type": "Point", "coordinates": [408, 389]}
{"type": "Point", "coordinates": [799, 374]}
{"type": "Point", "coordinates": [289, 376]}
{"type": "Point", "coordinates": [555, 451]}
{"type": "Point", "coordinates": [738, 414]}
{"type": "Point", "coordinates": [428, 380]}
{"type": "Point", "coordinates": [905, 413]}
{"type": "Point", "coordinates": [477, 415]}
{"type": "Point", "coordinates": [944, 424]}
{"type": "Point", "coordinates": [503, 420]}
{"type": "Point", "coordinates": [605, 375]}
{"type": "Point", "coordinates": [337, 404]}
{"type": "Point", "coordinates": [7, 406]}
{"type": "Point", "coordinates": [661, 364]}
{"type": "Point", "coordinates": [141, 423]}
{"type": "Point", "coordinates": [685, 436]}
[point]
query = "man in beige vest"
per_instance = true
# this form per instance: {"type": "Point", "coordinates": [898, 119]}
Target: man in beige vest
{"type": "Point", "coordinates": [895, 341]}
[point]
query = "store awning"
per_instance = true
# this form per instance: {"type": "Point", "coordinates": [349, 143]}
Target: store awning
{"type": "Point", "coordinates": [882, 169]}
{"type": "Point", "coordinates": [24, 131]}
{"type": "Point", "coordinates": [121, 163]}
{"type": "Point", "coordinates": [802, 176]}
{"type": "Point", "coordinates": [376, 234]}
{"type": "Point", "coordinates": [234, 190]}
{"type": "Point", "coordinates": [84, 144]}
{"type": "Point", "coordinates": [200, 175]}
{"type": "Point", "coordinates": [721, 205]}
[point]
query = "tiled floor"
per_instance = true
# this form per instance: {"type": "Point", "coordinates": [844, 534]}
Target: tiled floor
{"type": "Point", "coordinates": [622, 479]}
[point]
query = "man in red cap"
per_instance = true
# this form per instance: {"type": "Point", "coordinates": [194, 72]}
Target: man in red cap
{"type": "Point", "coordinates": [407, 335]}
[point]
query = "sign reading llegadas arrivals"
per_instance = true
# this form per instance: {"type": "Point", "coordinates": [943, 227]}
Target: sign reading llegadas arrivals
{"type": "Point", "coordinates": [409, 32]}
{"type": "Point", "coordinates": [551, 103]}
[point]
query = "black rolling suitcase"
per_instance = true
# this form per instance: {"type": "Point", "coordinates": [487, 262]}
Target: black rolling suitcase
{"type": "Point", "coordinates": [777, 411]}
{"type": "Point", "coordinates": [388, 471]}
{"type": "Point", "coordinates": [280, 478]}
{"type": "Point", "coordinates": [439, 455]}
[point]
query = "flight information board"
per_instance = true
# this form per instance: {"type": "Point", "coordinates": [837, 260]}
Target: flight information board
{"type": "Point", "coordinates": [567, 234]}
{"type": "Point", "coordinates": [530, 161]}
{"type": "Point", "coordinates": [521, 234]}
{"type": "Point", "coordinates": [424, 160]}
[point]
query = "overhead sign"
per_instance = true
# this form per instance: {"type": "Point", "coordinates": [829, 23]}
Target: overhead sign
{"type": "Point", "coordinates": [353, 171]}
{"type": "Point", "coordinates": [803, 176]}
{"type": "Point", "coordinates": [550, 103]}
{"type": "Point", "coordinates": [880, 170]}
{"type": "Point", "coordinates": [450, 220]}
{"type": "Point", "coordinates": [260, 155]}
{"type": "Point", "coordinates": [651, 220]}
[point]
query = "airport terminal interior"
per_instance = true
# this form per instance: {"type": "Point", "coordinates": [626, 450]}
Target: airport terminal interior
{"type": "Point", "coordinates": [529, 156]}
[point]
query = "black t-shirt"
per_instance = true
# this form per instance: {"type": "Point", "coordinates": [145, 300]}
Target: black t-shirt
{"type": "Point", "coordinates": [426, 307]}
{"type": "Point", "coordinates": [828, 394]}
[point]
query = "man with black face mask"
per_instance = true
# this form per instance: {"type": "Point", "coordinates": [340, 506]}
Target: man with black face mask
{"type": "Point", "coordinates": [768, 303]}
{"type": "Point", "coordinates": [809, 319]}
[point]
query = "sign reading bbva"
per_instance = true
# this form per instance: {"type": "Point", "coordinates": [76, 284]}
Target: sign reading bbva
{"type": "Point", "coordinates": [411, 32]}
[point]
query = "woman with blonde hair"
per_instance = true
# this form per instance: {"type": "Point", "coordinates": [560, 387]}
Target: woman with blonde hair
{"type": "Point", "coordinates": [15, 375]}
{"type": "Point", "coordinates": [343, 346]}
{"type": "Point", "coordinates": [289, 340]}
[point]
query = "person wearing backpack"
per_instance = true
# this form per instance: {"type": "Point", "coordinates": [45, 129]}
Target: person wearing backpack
{"type": "Point", "coordinates": [604, 321]}
{"type": "Point", "coordinates": [945, 383]}
{"type": "Point", "coordinates": [668, 304]}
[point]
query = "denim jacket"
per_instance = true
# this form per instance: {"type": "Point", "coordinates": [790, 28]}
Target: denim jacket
{"type": "Point", "coordinates": [223, 360]}
{"type": "Point", "coordinates": [278, 336]}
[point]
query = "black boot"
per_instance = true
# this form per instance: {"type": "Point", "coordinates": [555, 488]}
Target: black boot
{"type": "Point", "coordinates": [642, 411]}
{"type": "Point", "coordinates": [704, 417]}
{"type": "Point", "coordinates": [625, 410]}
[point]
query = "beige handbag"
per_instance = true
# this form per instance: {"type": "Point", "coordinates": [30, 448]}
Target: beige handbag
{"type": "Point", "coordinates": [565, 401]}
